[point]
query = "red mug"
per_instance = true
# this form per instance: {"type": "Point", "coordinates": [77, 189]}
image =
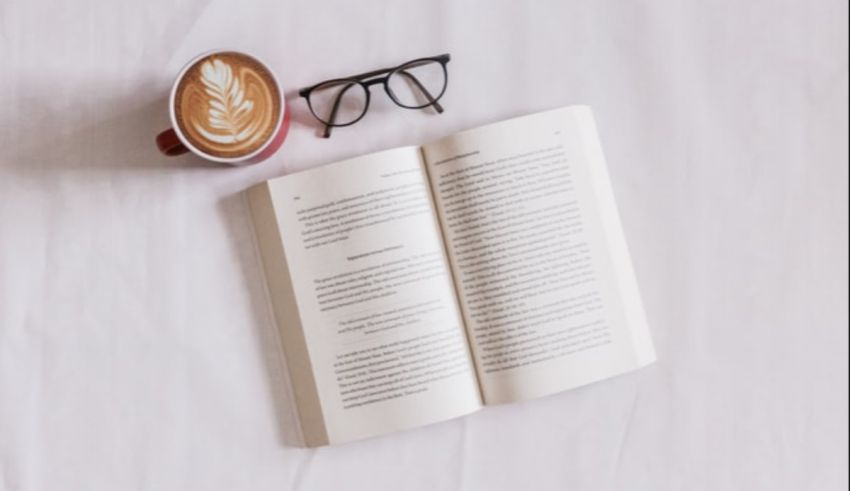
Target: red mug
{"type": "Point", "coordinates": [172, 141]}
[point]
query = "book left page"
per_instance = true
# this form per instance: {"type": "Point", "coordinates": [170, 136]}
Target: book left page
{"type": "Point", "coordinates": [376, 306]}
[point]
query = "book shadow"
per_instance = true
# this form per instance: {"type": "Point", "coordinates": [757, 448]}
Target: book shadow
{"type": "Point", "coordinates": [236, 218]}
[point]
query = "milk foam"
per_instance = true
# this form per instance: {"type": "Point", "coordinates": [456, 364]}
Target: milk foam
{"type": "Point", "coordinates": [227, 105]}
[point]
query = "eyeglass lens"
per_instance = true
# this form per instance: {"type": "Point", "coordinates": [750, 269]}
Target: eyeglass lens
{"type": "Point", "coordinates": [414, 85]}
{"type": "Point", "coordinates": [417, 84]}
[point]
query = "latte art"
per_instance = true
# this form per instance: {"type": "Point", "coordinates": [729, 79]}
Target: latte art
{"type": "Point", "coordinates": [227, 105]}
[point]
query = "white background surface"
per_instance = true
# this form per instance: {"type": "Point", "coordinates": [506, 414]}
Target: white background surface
{"type": "Point", "coordinates": [135, 346]}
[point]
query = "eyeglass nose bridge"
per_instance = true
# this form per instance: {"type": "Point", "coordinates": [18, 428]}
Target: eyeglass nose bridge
{"type": "Point", "coordinates": [369, 83]}
{"type": "Point", "coordinates": [379, 81]}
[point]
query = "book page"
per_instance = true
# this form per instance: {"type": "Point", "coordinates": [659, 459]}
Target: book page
{"type": "Point", "coordinates": [374, 294]}
{"type": "Point", "coordinates": [543, 275]}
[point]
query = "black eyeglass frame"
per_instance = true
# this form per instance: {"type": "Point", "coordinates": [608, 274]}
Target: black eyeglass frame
{"type": "Point", "coordinates": [362, 80]}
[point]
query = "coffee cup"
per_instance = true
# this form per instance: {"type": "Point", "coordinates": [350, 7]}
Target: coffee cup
{"type": "Point", "coordinates": [226, 107]}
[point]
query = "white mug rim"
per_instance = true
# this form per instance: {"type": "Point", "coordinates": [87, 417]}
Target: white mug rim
{"type": "Point", "coordinates": [185, 141]}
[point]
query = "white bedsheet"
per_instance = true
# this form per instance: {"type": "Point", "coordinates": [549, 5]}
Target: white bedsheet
{"type": "Point", "coordinates": [135, 346]}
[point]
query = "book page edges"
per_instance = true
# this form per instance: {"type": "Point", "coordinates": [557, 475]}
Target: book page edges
{"type": "Point", "coordinates": [619, 252]}
{"type": "Point", "coordinates": [286, 314]}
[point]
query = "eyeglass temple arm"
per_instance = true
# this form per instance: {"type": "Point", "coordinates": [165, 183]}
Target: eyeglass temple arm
{"type": "Point", "coordinates": [334, 109]}
{"type": "Point", "coordinates": [443, 59]}
{"type": "Point", "coordinates": [427, 94]}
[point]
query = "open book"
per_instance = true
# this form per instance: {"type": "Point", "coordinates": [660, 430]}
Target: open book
{"type": "Point", "coordinates": [419, 284]}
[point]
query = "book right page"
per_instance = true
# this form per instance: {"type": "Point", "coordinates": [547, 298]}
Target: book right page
{"type": "Point", "coordinates": [546, 286]}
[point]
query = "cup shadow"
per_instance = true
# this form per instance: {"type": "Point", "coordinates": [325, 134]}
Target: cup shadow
{"type": "Point", "coordinates": [123, 142]}
{"type": "Point", "coordinates": [116, 137]}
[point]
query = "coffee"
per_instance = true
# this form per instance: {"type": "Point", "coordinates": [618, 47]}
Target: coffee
{"type": "Point", "coordinates": [227, 105]}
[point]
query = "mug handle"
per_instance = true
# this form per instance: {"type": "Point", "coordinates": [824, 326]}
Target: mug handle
{"type": "Point", "coordinates": [169, 144]}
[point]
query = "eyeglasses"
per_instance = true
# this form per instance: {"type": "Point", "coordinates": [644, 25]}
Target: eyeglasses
{"type": "Point", "coordinates": [416, 84]}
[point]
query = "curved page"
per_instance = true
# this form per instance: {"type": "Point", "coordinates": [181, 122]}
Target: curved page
{"type": "Point", "coordinates": [374, 295]}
